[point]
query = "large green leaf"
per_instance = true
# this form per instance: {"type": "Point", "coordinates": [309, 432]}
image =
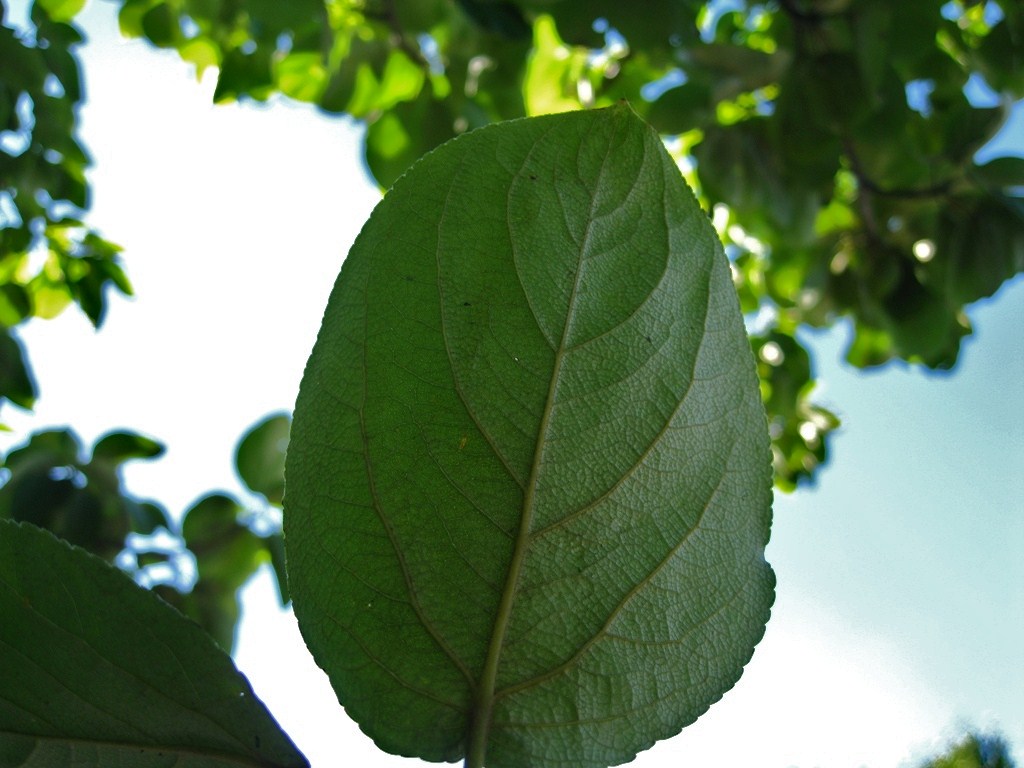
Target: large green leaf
{"type": "Point", "coordinates": [96, 671]}
{"type": "Point", "coordinates": [529, 483]}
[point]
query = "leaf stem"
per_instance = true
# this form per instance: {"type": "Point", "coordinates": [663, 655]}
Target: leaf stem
{"type": "Point", "coordinates": [478, 744]}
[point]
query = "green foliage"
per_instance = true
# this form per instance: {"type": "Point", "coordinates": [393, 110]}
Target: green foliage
{"type": "Point", "coordinates": [48, 256]}
{"type": "Point", "coordinates": [530, 436]}
{"type": "Point", "coordinates": [97, 672]}
{"type": "Point", "coordinates": [839, 194]}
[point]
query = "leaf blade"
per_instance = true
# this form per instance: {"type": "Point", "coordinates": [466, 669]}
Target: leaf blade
{"type": "Point", "coordinates": [514, 345]}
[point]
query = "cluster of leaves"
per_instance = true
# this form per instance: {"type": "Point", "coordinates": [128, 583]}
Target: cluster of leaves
{"type": "Point", "coordinates": [834, 138]}
{"type": "Point", "coordinates": [48, 257]}
{"type": "Point", "coordinates": [196, 562]}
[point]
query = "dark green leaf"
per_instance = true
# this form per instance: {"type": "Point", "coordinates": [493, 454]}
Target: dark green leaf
{"type": "Point", "coordinates": [160, 25]}
{"type": "Point", "coordinates": [225, 549]}
{"type": "Point", "coordinates": [404, 134]}
{"type": "Point", "coordinates": [119, 447]}
{"type": "Point", "coordinates": [61, 497]}
{"type": "Point", "coordinates": [979, 245]}
{"type": "Point", "coordinates": [98, 672]}
{"type": "Point", "coordinates": [415, 16]}
{"type": "Point", "coordinates": [212, 604]}
{"type": "Point", "coordinates": [259, 457]}
{"type": "Point", "coordinates": [15, 304]}
{"type": "Point", "coordinates": [873, 43]}
{"type": "Point", "coordinates": [911, 32]}
{"type": "Point", "coordinates": [808, 144]}
{"type": "Point", "coordinates": [924, 328]}
{"type": "Point", "coordinates": [1002, 174]}
{"type": "Point", "coordinates": [64, 65]}
{"type": "Point", "coordinates": [129, 18]}
{"type": "Point", "coordinates": [60, 446]}
{"type": "Point", "coordinates": [533, 391]}
{"type": "Point", "coordinates": [869, 347]}
{"type": "Point", "coordinates": [966, 128]}
{"type": "Point", "coordinates": [34, 495]}
{"type": "Point", "coordinates": [16, 381]}
{"type": "Point", "coordinates": [244, 74]}
{"type": "Point", "coordinates": [43, 476]}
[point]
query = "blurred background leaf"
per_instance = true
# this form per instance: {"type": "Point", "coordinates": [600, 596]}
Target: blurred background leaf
{"type": "Point", "coordinates": [259, 457]}
{"type": "Point", "coordinates": [49, 258]}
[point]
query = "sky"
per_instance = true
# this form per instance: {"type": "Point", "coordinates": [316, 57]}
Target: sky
{"type": "Point", "coordinates": [899, 617]}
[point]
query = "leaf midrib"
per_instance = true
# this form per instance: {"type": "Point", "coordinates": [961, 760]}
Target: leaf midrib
{"type": "Point", "coordinates": [481, 721]}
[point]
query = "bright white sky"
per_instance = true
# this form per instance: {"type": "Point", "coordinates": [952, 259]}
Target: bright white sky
{"type": "Point", "coordinates": [900, 612]}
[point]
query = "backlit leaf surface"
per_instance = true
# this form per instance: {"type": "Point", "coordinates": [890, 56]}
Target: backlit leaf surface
{"type": "Point", "coordinates": [95, 671]}
{"type": "Point", "coordinates": [528, 484]}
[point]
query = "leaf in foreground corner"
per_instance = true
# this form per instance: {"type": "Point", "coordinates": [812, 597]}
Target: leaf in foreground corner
{"type": "Point", "coordinates": [96, 671]}
{"type": "Point", "coordinates": [529, 483]}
